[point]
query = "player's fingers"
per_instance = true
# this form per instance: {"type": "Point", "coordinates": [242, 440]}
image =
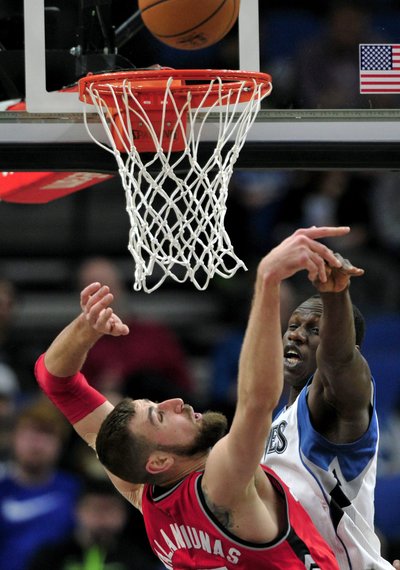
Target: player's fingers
{"type": "Point", "coordinates": [352, 271]}
{"type": "Point", "coordinates": [311, 262]}
{"type": "Point", "coordinates": [315, 232]}
{"type": "Point", "coordinates": [100, 299]}
{"type": "Point", "coordinates": [350, 268]}
{"type": "Point", "coordinates": [112, 324]}
{"type": "Point", "coordinates": [329, 257]}
{"type": "Point", "coordinates": [105, 321]}
{"type": "Point", "coordinates": [119, 325]}
{"type": "Point", "coordinates": [324, 252]}
{"type": "Point", "coordinates": [119, 328]}
{"type": "Point", "coordinates": [94, 310]}
{"type": "Point", "coordinates": [88, 291]}
{"type": "Point", "coordinates": [316, 267]}
{"type": "Point", "coordinates": [357, 271]}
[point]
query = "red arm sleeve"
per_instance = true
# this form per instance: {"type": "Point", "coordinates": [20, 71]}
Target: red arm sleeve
{"type": "Point", "coordinates": [72, 395]}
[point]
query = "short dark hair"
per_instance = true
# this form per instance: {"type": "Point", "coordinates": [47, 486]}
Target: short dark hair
{"type": "Point", "coordinates": [359, 321]}
{"type": "Point", "coordinates": [122, 452]}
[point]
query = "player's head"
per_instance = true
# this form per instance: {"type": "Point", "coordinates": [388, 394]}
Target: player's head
{"type": "Point", "coordinates": [141, 441]}
{"type": "Point", "coordinates": [301, 340]}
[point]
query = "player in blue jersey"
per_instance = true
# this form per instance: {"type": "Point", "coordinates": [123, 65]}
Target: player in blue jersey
{"type": "Point", "coordinates": [324, 442]}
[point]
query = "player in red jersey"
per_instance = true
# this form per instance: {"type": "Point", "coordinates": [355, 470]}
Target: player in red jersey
{"type": "Point", "coordinates": [206, 502]}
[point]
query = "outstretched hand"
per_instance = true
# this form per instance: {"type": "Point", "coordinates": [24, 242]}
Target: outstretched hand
{"type": "Point", "coordinates": [300, 251]}
{"type": "Point", "coordinates": [396, 564]}
{"type": "Point", "coordinates": [95, 303]}
{"type": "Point", "coordinates": [338, 277]}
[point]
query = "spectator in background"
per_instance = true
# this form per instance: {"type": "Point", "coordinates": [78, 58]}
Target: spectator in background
{"type": "Point", "coordinates": [7, 301]}
{"type": "Point", "coordinates": [37, 499]}
{"type": "Point", "coordinates": [98, 541]}
{"type": "Point", "coordinates": [150, 353]}
{"type": "Point", "coordinates": [15, 352]}
{"type": "Point", "coordinates": [9, 389]}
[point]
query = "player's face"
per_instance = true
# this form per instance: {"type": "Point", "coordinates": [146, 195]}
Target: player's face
{"type": "Point", "coordinates": [173, 425]}
{"type": "Point", "coordinates": [300, 343]}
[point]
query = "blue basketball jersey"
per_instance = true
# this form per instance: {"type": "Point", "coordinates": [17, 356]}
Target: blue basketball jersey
{"type": "Point", "coordinates": [334, 482]}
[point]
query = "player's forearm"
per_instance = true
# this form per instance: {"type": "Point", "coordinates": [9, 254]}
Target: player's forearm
{"type": "Point", "coordinates": [57, 371]}
{"type": "Point", "coordinates": [337, 332]}
{"type": "Point", "coordinates": [67, 353]}
{"type": "Point", "coordinates": [72, 394]}
{"type": "Point", "coordinates": [260, 367]}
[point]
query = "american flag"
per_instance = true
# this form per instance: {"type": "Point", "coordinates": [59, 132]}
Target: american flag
{"type": "Point", "coordinates": [379, 68]}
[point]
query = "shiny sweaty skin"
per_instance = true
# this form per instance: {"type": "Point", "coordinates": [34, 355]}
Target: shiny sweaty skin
{"type": "Point", "coordinates": [320, 342]}
{"type": "Point", "coordinates": [300, 343]}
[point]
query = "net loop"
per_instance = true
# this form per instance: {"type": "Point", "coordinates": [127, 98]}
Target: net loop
{"type": "Point", "coordinates": [157, 123]}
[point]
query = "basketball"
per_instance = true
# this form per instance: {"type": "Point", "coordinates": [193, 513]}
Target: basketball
{"type": "Point", "coordinates": [189, 24]}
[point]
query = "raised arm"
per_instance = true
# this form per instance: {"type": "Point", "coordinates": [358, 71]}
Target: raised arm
{"type": "Point", "coordinates": [342, 381]}
{"type": "Point", "coordinates": [67, 353]}
{"type": "Point", "coordinates": [58, 370]}
{"type": "Point", "coordinates": [233, 462]}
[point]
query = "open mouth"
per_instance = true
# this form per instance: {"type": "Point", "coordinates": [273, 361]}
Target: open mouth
{"type": "Point", "coordinates": [195, 416]}
{"type": "Point", "coordinates": [292, 356]}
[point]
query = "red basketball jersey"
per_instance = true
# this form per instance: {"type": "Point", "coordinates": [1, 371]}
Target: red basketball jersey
{"type": "Point", "coordinates": [184, 534]}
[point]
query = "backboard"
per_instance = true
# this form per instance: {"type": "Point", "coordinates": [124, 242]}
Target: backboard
{"type": "Point", "coordinates": [315, 118]}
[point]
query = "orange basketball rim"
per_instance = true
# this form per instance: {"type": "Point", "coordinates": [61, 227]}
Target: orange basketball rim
{"type": "Point", "coordinates": [128, 94]}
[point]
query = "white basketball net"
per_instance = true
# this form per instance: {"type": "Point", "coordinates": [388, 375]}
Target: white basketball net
{"type": "Point", "coordinates": [176, 204]}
